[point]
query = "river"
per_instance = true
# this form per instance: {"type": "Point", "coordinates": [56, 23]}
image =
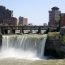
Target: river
{"type": "Point", "coordinates": [12, 61]}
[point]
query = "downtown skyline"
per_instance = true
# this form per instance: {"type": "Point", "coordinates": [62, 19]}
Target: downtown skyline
{"type": "Point", "coordinates": [35, 11]}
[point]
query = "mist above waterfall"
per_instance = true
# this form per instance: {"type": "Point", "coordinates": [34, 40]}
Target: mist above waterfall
{"type": "Point", "coordinates": [23, 46]}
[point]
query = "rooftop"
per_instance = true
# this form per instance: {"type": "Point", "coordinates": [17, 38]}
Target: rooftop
{"type": "Point", "coordinates": [55, 8]}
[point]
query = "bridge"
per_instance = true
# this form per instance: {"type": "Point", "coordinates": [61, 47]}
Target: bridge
{"type": "Point", "coordinates": [12, 29]}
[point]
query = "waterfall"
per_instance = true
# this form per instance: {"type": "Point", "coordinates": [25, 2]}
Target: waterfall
{"type": "Point", "coordinates": [23, 46]}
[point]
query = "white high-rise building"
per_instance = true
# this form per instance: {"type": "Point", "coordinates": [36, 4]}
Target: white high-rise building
{"type": "Point", "coordinates": [23, 21]}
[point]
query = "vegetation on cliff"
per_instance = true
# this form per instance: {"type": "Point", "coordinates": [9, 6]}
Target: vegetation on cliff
{"type": "Point", "coordinates": [63, 39]}
{"type": "Point", "coordinates": [53, 35]}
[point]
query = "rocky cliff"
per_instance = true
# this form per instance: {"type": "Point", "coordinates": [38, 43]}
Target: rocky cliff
{"type": "Point", "coordinates": [54, 47]}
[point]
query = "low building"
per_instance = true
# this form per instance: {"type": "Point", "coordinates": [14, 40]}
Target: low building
{"type": "Point", "coordinates": [30, 24]}
{"type": "Point", "coordinates": [45, 24]}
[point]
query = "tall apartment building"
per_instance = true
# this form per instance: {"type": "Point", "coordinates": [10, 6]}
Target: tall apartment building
{"type": "Point", "coordinates": [23, 21]}
{"type": "Point", "coordinates": [6, 17]}
{"type": "Point", "coordinates": [5, 13]}
{"type": "Point", "coordinates": [54, 17]}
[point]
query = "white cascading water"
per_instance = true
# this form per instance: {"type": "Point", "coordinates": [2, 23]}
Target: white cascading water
{"type": "Point", "coordinates": [23, 46]}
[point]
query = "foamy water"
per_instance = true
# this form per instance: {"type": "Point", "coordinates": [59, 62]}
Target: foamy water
{"type": "Point", "coordinates": [18, 54]}
{"type": "Point", "coordinates": [30, 47]}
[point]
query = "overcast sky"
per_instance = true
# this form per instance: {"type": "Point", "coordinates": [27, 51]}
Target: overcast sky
{"type": "Point", "coordinates": [35, 10]}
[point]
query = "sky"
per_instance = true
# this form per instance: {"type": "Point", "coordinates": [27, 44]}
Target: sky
{"type": "Point", "coordinates": [35, 10]}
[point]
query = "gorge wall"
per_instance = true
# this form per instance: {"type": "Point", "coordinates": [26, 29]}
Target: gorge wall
{"type": "Point", "coordinates": [54, 47]}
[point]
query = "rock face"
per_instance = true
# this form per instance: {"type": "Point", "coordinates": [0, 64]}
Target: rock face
{"type": "Point", "coordinates": [54, 46]}
{"type": "Point", "coordinates": [0, 41]}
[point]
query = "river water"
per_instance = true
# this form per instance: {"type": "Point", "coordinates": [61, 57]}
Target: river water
{"type": "Point", "coordinates": [25, 50]}
{"type": "Point", "coordinates": [13, 61]}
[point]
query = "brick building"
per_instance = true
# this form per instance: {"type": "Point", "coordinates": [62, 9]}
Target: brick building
{"type": "Point", "coordinates": [62, 23]}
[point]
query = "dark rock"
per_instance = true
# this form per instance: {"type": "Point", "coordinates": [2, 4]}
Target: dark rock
{"type": "Point", "coordinates": [0, 41]}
